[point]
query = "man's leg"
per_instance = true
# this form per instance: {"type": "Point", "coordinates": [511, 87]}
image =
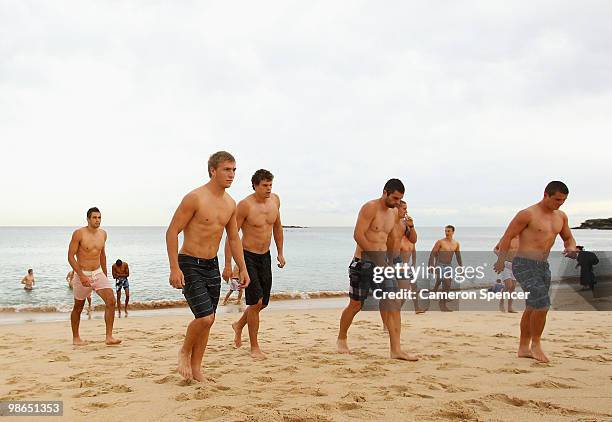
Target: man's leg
{"type": "Point", "coordinates": [391, 315]}
{"type": "Point", "coordinates": [227, 296]}
{"type": "Point", "coordinates": [446, 285]}
{"type": "Point", "coordinates": [524, 350]}
{"type": "Point", "coordinates": [89, 305]}
{"type": "Point", "coordinates": [537, 323]}
{"type": "Point", "coordinates": [200, 332]}
{"type": "Point", "coordinates": [119, 301]}
{"type": "Point", "coordinates": [75, 320]}
{"type": "Point", "coordinates": [127, 300]}
{"type": "Point", "coordinates": [511, 288]}
{"type": "Point", "coordinates": [109, 314]}
{"type": "Point", "coordinates": [252, 314]}
{"type": "Point", "coordinates": [346, 319]}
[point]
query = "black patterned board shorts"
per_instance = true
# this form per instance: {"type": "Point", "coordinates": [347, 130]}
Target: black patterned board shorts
{"type": "Point", "coordinates": [361, 280]}
{"type": "Point", "coordinates": [202, 284]}
{"type": "Point", "coordinates": [534, 278]}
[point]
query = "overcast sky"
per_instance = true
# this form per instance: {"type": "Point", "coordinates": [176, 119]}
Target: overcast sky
{"type": "Point", "coordinates": [474, 105]}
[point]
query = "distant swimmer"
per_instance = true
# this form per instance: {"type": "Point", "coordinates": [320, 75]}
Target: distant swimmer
{"type": "Point", "coordinates": [87, 257]}
{"type": "Point", "coordinates": [202, 216]}
{"type": "Point", "coordinates": [507, 274]}
{"type": "Point", "coordinates": [441, 260]}
{"type": "Point", "coordinates": [376, 235]}
{"type": "Point", "coordinates": [28, 280]}
{"type": "Point", "coordinates": [69, 279]}
{"type": "Point", "coordinates": [258, 216]}
{"type": "Point", "coordinates": [537, 227]}
{"type": "Point", "coordinates": [121, 272]}
{"type": "Point", "coordinates": [233, 286]}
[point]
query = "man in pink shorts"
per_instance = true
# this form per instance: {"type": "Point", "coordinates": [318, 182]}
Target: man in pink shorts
{"type": "Point", "coordinates": [87, 258]}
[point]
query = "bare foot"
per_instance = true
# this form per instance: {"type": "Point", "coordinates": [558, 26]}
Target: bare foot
{"type": "Point", "coordinates": [343, 346]}
{"type": "Point", "coordinates": [197, 375]}
{"type": "Point", "coordinates": [403, 356]}
{"type": "Point", "coordinates": [184, 365]}
{"type": "Point", "coordinates": [111, 341]}
{"type": "Point", "coordinates": [119, 316]}
{"type": "Point", "coordinates": [524, 352]}
{"type": "Point", "coordinates": [237, 335]}
{"type": "Point", "coordinates": [419, 311]}
{"type": "Point", "coordinates": [257, 354]}
{"type": "Point", "coordinates": [538, 353]}
{"type": "Point", "coordinates": [78, 342]}
{"type": "Point", "coordinates": [126, 313]}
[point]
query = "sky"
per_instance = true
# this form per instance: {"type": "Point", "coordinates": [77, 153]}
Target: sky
{"type": "Point", "coordinates": [474, 105]}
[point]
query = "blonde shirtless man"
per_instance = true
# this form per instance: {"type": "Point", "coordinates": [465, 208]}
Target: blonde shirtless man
{"type": "Point", "coordinates": [258, 216]}
{"type": "Point", "coordinates": [536, 227]}
{"type": "Point", "coordinates": [202, 216]}
{"type": "Point", "coordinates": [507, 275]}
{"type": "Point", "coordinates": [28, 280]}
{"type": "Point", "coordinates": [87, 257]}
{"type": "Point", "coordinates": [441, 260]}
{"type": "Point", "coordinates": [376, 241]}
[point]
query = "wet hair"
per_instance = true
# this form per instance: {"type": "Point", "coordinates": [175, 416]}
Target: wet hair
{"type": "Point", "coordinates": [30, 271]}
{"type": "Point", "coordinates": [556, 186]}
{"type": "Point", "coordinates": [393, 185]}
{"type": "Point", "coordinates": [450, 227]}
{"type": "Point", "coordinates": [261, 175]}
{"type": "Point", "coordinates": [92, 210]}
{"type": "Point", "coordinates": [119, 262]}
{"type": "Point", "coordinates": [217, 158]}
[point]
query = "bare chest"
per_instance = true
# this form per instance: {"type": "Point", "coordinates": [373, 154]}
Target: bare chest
{"type": "Point", "coordinates": [262, 215]}
{"type": "Point", "coordinates": [92, 243]}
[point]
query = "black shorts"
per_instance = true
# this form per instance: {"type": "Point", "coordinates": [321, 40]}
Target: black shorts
{"type": "Point", "coordinates": [259, 267]}
{"type": "Point", "coordinates": [361, 280]}
{"type": "Point", "coordinates": [202, 284]}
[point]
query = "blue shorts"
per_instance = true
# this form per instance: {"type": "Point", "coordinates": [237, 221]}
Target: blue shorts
{"type": "Point", "coordinates": [534, 278]}
{"type": "Point", "coordinates": [122, 282]}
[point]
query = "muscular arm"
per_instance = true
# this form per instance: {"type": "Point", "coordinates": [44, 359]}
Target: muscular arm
{"type": "Point", "coordinates": [236, 247]}
{"type": "Point", "coordinates": [516, 226]}
{"type": "Point", "coordinates": [103, 256]}
{"type": "Point", "coordinates": [433, 256]}
{"type": "Point", "coordinates": [181, 218]}
{"type": "Point", "coordinates": [277, 232]}
{"type": "Point", "coordinates": [366, 215]}
{"type": "Point", "coordinates": [458, 255]}
{"type": "Point", "coordinates": [73, 247]}
{"type": "Point", "coordinates": [127, 270]}
{"type": "Point", "coordinates": [566, 234]}
{"type": "Point", "coordinates": [242, 210]}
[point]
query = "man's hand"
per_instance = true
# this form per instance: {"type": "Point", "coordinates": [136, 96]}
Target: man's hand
{"type": "Point", "coordinates": [227, 273]}
{"type": "Point", "coordinates": [281, 261]}
{"type": "Point", "coordinates": [570, 253]}
{"type": "Point", "coordinates": [244, 279]}
{"type": "Point", "coordinates": [499, 266]}
{"type": "Point", "coordinates": [409, 222]}
{"type": "Point", "coordinates": [177, 279]}
{"type": "Point", "coordinates": [85, 281]}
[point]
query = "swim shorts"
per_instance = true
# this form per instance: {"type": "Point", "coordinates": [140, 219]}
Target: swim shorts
{"type": "Point", "coordinates": [202, 284]}
{"type": "Point", "coordinates": [259, 267]}
{"type": "Point", "coordinates": [534, 278]}
{"type": "Point", "coordinates": [122, 282]}
{"type": "Point", "coordinates": [98, 279]}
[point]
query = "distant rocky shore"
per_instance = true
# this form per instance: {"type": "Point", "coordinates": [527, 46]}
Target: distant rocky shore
{"type": "Point", "coordinates": [597, 224]}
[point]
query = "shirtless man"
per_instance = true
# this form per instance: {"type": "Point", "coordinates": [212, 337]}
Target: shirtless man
{"type": "Point", "coordinates": [408, 255]}
{"type": "Point", "coordinates": [441, 259]}
{"type": "Point", "coordinates": [537, 227]}
{"type": "Point", "coordinates": [28, 280]}
{"type": "Point", "coordinates": [201, 216]}
{"type": "Point", "coordinates": [375, 237]}
{"type": "Point", "coordinates": [121, 272]}
{"type": "Point", "coordinates": [87, 257]}
{"type": "Point", "coordinates": [507, 275]}
{"type": "Point", "coordinates": [258, 215]}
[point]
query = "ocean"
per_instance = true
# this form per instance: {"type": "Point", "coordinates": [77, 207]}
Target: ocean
{"type": "Point", "coordinates": [317, 261]}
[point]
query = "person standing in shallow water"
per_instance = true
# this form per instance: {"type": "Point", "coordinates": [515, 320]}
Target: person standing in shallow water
{"type": "Point", "coordinates": [121, 272]}
{"type": "Point", "coordinates": [537, 227]}
{"type": "Point", "coordinates": [202, 216]}
{"type": "Point", "coordinates": [87, 257]}
{"type": "Point", "coordinates": [28, 280]}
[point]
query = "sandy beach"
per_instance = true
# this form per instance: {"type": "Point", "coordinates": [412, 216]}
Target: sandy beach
{"type": "Point", "coordinates": [468, 369]}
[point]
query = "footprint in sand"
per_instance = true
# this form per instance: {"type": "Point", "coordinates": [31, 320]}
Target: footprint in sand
{"type": "Point", "coordinates": [182, 397]}
{"type": "Point", "coordinates": [456, 410]}
{"type": "Point", "coordinates": [210, 412]}
{"type": "Point", "coordinates": [57, 356]}
{"type": "Point", "coordinates": [551, 384]}
{"type": "Point", "coordinates": [264, 379]}
{"type": "Point", "coordinates": [167, 379]}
